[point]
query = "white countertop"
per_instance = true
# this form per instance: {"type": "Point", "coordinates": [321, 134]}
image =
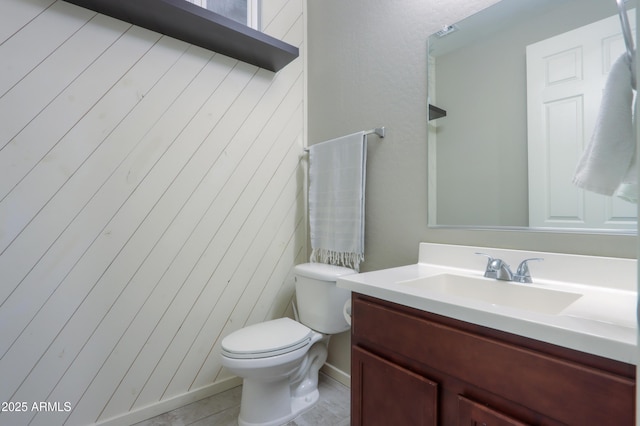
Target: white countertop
{"type": "Point", "coordinates": [601, 322]}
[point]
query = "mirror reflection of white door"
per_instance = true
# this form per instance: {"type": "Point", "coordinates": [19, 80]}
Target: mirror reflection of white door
{"type": "Point", "coordinates": [565, 77]}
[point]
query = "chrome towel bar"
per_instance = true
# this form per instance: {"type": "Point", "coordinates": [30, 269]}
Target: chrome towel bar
{"type": "Point", "coordinates": [380, 131]}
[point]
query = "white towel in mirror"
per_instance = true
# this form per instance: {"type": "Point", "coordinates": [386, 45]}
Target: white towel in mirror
{"type": "Point", "coordinates": [608, 162]}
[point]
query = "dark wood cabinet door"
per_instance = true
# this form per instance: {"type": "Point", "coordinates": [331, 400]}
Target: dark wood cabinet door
{"type": "Point", "coordinates": [386, 394]}
{"type": "Point", "coordinates": [474, 414]}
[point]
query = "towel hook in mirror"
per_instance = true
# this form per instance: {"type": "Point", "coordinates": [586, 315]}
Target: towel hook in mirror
{"type": "Point", "coordinates": [626, 29]}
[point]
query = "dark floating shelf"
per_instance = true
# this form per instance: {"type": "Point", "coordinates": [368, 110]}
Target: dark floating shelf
{"type": "Point", "coordinates": [435, 112]}
{"type": "Point", "coordinates": [201, 27]}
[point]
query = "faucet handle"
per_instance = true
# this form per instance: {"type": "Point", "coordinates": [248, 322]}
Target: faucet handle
{"type": "Point", "coordinates": [485, 255]}
{"type": "Point", "coordinates": [490, 271]}
{"type": "Point", "coordinates": [522, 274]}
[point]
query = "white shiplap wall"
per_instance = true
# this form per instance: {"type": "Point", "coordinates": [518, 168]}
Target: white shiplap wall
{"type": "Point", "coordinates": [151, 201]}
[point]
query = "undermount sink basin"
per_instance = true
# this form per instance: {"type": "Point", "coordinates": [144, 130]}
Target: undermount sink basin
{"type": "Point", "coordinates": [503, 293]}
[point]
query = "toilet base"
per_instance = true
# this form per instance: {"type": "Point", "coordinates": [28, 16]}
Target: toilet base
{"type": "Point", "coordinates": [276, 409]}
{"type": "Point", "coordinates": [275, 400]}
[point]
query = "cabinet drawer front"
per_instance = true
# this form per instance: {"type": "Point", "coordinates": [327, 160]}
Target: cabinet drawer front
{"type": "Point", "coordinates": [563, 390]}
{"type": "Point", "coordinates": [390, 394]}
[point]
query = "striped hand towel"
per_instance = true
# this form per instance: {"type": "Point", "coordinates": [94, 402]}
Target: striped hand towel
{"type": "Point", "coordinates": [337, 170]}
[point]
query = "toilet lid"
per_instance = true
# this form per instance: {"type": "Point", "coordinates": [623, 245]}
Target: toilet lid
{"type": "Point", "coordinates": [266, 339]}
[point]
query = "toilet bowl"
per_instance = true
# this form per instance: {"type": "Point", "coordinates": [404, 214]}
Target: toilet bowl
{"type": "Point", "coordinates": [279, 360]}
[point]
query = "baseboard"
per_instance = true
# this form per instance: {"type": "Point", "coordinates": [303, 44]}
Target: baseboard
{"type": "Point", "coordinates": [161, 407]}
{"type": "Point", "coordinates": [336, 374]}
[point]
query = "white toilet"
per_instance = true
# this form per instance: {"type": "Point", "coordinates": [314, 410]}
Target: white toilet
{"type": "Point", "coordinates": [279, 360]}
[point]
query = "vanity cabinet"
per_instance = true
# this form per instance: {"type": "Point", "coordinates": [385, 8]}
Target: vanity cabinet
{"type": "Point", "coordinates": [411, 367]}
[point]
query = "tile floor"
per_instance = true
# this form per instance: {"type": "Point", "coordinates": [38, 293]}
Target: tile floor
{"type": "Point", "coordinates": [333, 409]}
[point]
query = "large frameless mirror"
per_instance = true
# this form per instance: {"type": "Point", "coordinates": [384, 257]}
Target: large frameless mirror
{"type": "Point", "coordinates": [521, 83]}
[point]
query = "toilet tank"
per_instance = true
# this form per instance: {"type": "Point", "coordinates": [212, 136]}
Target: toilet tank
{"type": "Point", "coordinates": [319, 301]}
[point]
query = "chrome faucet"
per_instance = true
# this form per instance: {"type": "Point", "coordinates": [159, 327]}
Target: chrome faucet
{"type": "Point", "coordinates": [522, 274]}
{"type": "Point", "coordinates": [497, 268]}
{"type": "Point", "coordinates": [500, 270]}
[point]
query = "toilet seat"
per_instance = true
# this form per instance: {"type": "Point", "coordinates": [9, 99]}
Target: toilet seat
{"type": "Point", "coordinates": [267, 339]}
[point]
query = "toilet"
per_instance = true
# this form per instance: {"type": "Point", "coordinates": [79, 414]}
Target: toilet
{"type": "Point", "coordinates": [279, 360]}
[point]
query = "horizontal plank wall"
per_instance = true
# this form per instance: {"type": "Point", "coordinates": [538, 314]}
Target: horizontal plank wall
{"type": "Point", "coordinates": [151, 201]}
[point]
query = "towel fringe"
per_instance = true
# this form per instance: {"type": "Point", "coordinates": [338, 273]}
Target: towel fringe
{"type": "Point", "coordinates": [348, 259]}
